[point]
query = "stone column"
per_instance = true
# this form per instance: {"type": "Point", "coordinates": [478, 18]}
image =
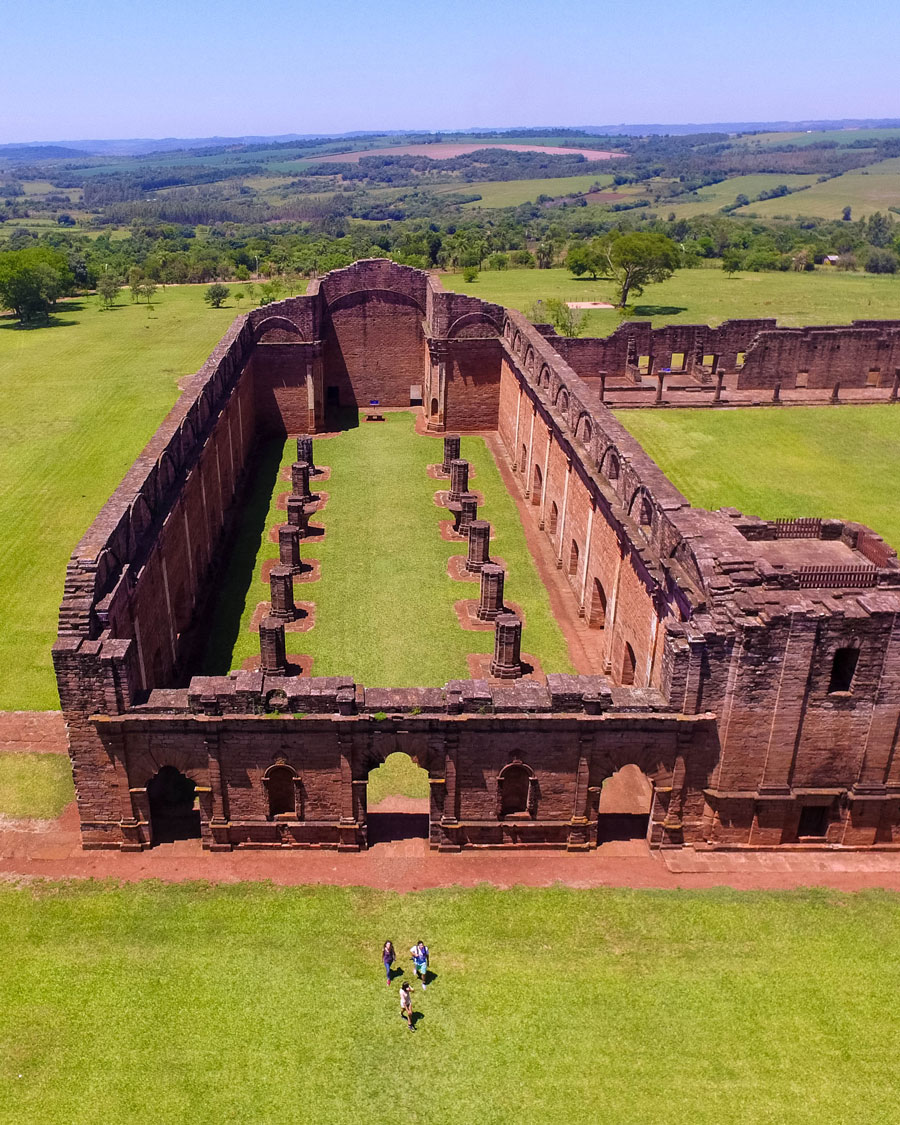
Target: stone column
{"type": "Point", "coordinates": [468, 512]}
{"type": "Point", "coordinates": [300, 480]}
{"type": "Point", "coordinates": [281, 587]}
{"type": "Point", "coordinates": [479, 545]}
{"type": "Point", "coordinates": [305, 452]}
{"type": "Point", "coordinates": [459, 478]}
{"type": "Point", "coordinates": [507, 663]}
{"type": "Point", "coordinates": [720, 379]}
{"type": "Point", "coordinates": [603, 375]}
{"type": "Point", "coordinates": [660, 376]}
{"type": "Point", "coordinates": [289, 547]}
{"type": "Point", "coordinates": [298, 516]}
{"type": "Point", "coordinates": [451, 453]}
{"type": "Point", "coordinates": [895, 389]}
{"type": "Point", "coordinates": [490, 602]}
{"type": "Point", "coordinates": [776, 393]}
{"type": "Point", "coordinates": [271, 647]}
{"type": "Point", "coordinates": [836, 392]}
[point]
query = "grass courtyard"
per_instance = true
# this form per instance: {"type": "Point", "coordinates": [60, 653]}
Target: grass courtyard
{"type": "Point", "coordinates": [384, 602]}
{"type": "Point", "coordinates": [773, 462]}
{"type": "Point", "coordinates": [35, 785]}
{"type": "Point", "coordinates": [251, 1003]}
{"type": "Point", "coordinates": [78, 400]}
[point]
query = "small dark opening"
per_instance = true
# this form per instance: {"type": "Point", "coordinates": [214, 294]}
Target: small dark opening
{"type": "Point", "coordinates": [628, 665]}
{"type": "Point", "coordinates": [172, 813]}
{"type": "Point", "coordinates": [280, 784]}
{"type": "Point", "coordinates": [842, 669]}
{"type": "Point", "coordinates": [434, 407]}
{"type": "Point", "coordinates": [514, 798]}
{"type": "Point", "coordinates": [554, 516]}
{"type": "Point", "coordinates": [813, 820]}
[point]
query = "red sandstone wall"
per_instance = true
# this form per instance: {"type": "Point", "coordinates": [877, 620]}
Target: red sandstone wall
{"type": "Point", "coordinates": [282, 377]}
{"type": "Point", "coordinates": [473, 384]}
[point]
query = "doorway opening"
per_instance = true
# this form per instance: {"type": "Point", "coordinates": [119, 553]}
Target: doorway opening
{"type": "Point", "coordinates": [172, 812]}
{"type": "Point", "coordinates": [398, 801]}
{"type": "Point", "coordinates": [625, 801]}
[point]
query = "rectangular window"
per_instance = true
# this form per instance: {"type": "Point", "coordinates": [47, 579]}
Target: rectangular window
{"type": "Point", "coordinates": [676, 363]}
{"type": "Point", "coordinates": [813, 821]}
{"type": "Point", "coordinates": [643, 364]}
{"type": "Point", "coordinates": [708, 359]}
{"type": "Point", "coordinates": [873, 378]}
{"type": "Point", "coordinates": [802, 379]}
{"type": "Point", "coordinates": [739, 362]}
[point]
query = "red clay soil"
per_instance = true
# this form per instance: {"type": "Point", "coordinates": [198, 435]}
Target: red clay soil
{"type": "Point", "coordinates": [586, 645]}
{"type": "Point", "coordinates": [301, 624]}
{"type": "Point", "coordinates": [51, 850]}
{"type": "Point", "coordinates": [311, 572]}
{"type": "Point", "coordinates": [322, 473]}
{"type": "Point", "coordinates": [479, 665]}
{"type": "Point", "coordinates": [465, 615]}
{"type": "Point", "coordinates": [315, 531]}
{"type": "Point", "coordinates": [456, 568]}
{"type": "Point", "coordinates": [441, 498]}
{"type": "Point", "coordinates": [434, 471]}
{"type": "Point", "coordinates": [447, 151]}
{"type": "Point", "coordinates": [298, 664]}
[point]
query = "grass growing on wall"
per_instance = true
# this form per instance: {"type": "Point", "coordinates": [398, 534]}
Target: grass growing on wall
{"type": "Point", "coordinates": [78, 400]}
{"type": "Point", "coordinates": [837, 461]}
{"type": "Point", "coordinates": [384, 602]}
{"type": "Point", "coordinates": [187, 1002]}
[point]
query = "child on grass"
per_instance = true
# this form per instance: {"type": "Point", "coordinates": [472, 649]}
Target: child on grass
{"type": "Point", "coordinates": [420, 961]}
{"type": "Point", "coordinates": [406, 1004]}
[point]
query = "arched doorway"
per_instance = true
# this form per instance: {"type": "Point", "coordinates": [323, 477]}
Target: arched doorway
{"type": "Point", "coordinates": [554, 518]}
{"type": "Point", "coordinates": [537, 485]}
{"type": "Point", "coordinates": [434, 408]}
{"type": "Point", "coordinates": [172, 814]}
{"type": "Point", "coordinates": [597, 616]}
{"type": "Point", "coordinates": [281, 791]}
{"type": "Point", "coordinates": [573, 558]}
{"type": "Point", "coordinates": [397, 801]}
{"type": "Point", "coordinates": [625, 802]}
{"type": "Point", "coordinates": [628, 666]}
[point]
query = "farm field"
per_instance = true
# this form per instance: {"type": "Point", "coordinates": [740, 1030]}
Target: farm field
{"type": "Point", "coordinates": [510, 193]}
{"type": "Point", "coordinates": [442, 151]}
{"type": "Point", "coordinates": [701, 296]}
{"type": "Point", "coordinates": [719, 195]}
{"type": "Point", "coordinates": [818, 136]}
{"type": "Point", "coordinates": [866, 190]}
{"type": "Point", "coordinates": [546, 1005]}
{"type": "Point", "coordinates": [384, 616]}
{"type": "Point", "coordinates": [79, 400]}
{"type": "Point", "coordinates": [810, 461]}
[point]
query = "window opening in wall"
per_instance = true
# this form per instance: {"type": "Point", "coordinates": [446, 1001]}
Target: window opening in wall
{"type": "Point", "coordinates": [646, 514]}
{"type": "Point", "coordinates": [709, 359]}
{"type": "Point", "coordinates": [515, 785]}
{"type": "Point", "coordinates": [172, 813]}
{"type": "Point", "coordinates": [843, 668]}
{"type": "Point", "coordinates": [597, 616]}
{"type": "Point", "coordinates": [537, 482]}
{"type": "Point", "coordinates": [873, 378]}
{"type": "Point", "coordinates": [623, 812]}
{"type": "Point", "coordinates": [434, 407]}
{"type": "Point", "coordinates": [573, 558]}
{"type": "Point", "coordinates": [524, 461]}
{"type": "Point", "coordinates": [643, 364]}
{"type": "Point", "coordinates": [280, 788]}
{"type": "Point", "coordinates": [612, 468]}
{"type": "Point", "coordinates": [415, 394]}
{"type": "Point", "coordinates": [628, 665]}
{"type": "Point", "coordinates": [676, 363]}
{"type": "Point", "coordinates": [813, 821]}
{"type": "Point", "coordinates": [802, 379]}
{"type": "Point", "coordinates": [554, 517]}
{"type": "Point", "coordinates": [739, 361]}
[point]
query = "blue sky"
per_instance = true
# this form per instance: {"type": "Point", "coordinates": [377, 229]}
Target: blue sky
{"type": "Point", "coordinates": [72, 69]}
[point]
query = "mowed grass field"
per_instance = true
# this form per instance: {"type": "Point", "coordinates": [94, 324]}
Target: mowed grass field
{"type": "Point", "coordinates": [875, 188]}
{"type": "Point", "coordinates": [384, 602]}
{"type": "Point", "coordinates": [716, 196]}
{"type": "Point", "coordinates": [806, 461]}
{"type": "Point", "coordinates": [701, 296]}
{"type": "Point", "coordinates": [243, 1003]}
{"type": "Point", "coordinates": [510, 193]}
{"type": "Point", "coordinates": [35, 785]}
{"type": "Point", "coordinates": [78, 401]}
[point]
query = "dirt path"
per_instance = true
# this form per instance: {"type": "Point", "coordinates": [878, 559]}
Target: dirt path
{"type": "Point", "coordinates": [41, 732]}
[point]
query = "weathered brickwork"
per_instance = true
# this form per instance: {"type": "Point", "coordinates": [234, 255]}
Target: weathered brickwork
{"type": "Point", "coordinates": [749, 668]}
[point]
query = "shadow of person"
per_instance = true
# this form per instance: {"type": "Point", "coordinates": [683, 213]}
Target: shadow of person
{"type": "Point", "coordinates": [396, 972]}
{"type": "Point", "coordinates": [430, 975]}
{"type": "Point", "coordinates": [414, 1019]}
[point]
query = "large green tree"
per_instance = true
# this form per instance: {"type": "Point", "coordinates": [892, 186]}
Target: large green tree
{"type": "Point", "coordinates": [32, 280]}
{"type": "Point", "coordinates": [639, 258]}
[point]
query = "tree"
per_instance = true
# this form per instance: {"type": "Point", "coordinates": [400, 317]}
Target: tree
{"type": "Point", "coordinates": [566, 321]}
{"type": "Point", "coordinates": [216, 294]}
{"type": "Point", "coordinates": [544, 255]}
{"type": "Point", "coordinates": [881, 261]}
{"type": "Point", "coordinates": [845, 214]}
{"type": "Point", "coordinates": [108, 286]}
{"type": "Point", "coordinates": [147, 289]}
{"type": "Point", "coordinates": [32, 280]}
{"type": "Point", "coordinates": [135, 278]}
{"type": "Point", "coordinates": [585, 257]}
{"type": "Point", "coordinates": [470, 273]}
{"type": "Point", "coordinates": [731, 260]}
{"type": "Point", "coordinates": [639, 258]}
{"type": "Point", "coordinates": [879, 230]}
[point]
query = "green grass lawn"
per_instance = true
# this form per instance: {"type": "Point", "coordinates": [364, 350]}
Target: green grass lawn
{"type": "Point", "coordinates": [866, 190]}
{"type": "Point", "coordinates": [398, 775]}
{"type": "Point", "coordinates": [384, 602]}
{"type": "Point", "coordinates": [510, 193]}
{"type": "Point", "coordinates": [718, 195]}
{"type": "Point", "coordinates": [79, 400]}
{"type": "Point", "coordinates": [35, 785]}
{"type": "Point", "coordinates": [701, 296]}
{"type": "Point", "coordinates": [243, 1003]}
{"type": "Point", "coordinates": [802, 461]}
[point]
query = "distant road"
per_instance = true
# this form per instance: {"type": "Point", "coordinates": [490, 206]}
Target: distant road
{"type": "Point", "coordinates": [446, 151]}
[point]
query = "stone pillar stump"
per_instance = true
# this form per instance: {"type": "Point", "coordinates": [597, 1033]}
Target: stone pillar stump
{"type": "Point", "coordinates": [479, 545]}
{"type": "Point", "coordinates": [459, 478]}
{"type": "Point", "coordinates": [272, 657]}
{"type": "Point", "coordinates": [281, 587]}
{"type": "Point", "coordinates": [468, 505]}
{"type": "Point", "coordinates": [507, 662]}
{"type": "Point", "coordinates": [289, 547]}
{"type": "Point", "coordinates": [298, 515]}
{"type": "Point", "coordinates": [300, 480]}
{"type": "Point", "coordinates": [305, 452]}
{"type": "Point", "coordinates": [451, 452]}
{"type": "Point", "coordinates": [490, 601]}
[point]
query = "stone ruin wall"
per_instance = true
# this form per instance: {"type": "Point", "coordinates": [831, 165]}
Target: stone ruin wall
{"type": "Point", "coordinates": [727, 691]}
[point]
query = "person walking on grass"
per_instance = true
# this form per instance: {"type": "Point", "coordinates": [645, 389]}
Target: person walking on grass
{"type": "Point", "coordinates": [406, 1004]}
{"type": "Point", "coordinates": [388, 957]}
{"type": "Point", "coordinates": [420, 961]}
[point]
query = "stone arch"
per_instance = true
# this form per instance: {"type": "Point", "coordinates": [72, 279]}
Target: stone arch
{"type": "Point", "coordinates": [574, 553]}
{"type": "Point", "coordinates": [167, 470]}
{"type": "Point", "coordinates": [171, 800]}
{"type": "Point", "coordinates": [277, 330]}
{"type": "Point", "coordinates": [517, 343]}
{"type": "Point", "coordinates": [360, 296]}
{"type": "Point", "coordinates": [641, 507]}
{"type": "Point", "coordinates": [597, 612]}
{"type": "Point", "coordinates": [610, 464]}
{"type": "Point", "coordinates": [553, 518]}
{"type": "Point", "coordinates": [459, 329]}
{"type": "Point", "coordinates": [545, 378]}
{"type": "Point", "coordinates": [435, 408]}
{"type": "Point", "coordinates": [629, 666]}
{"type": "Point", "coordinates": [517, 791]}
{"type": "Point", "coordinates": [537, 484]}
{"type": "Point", "coordinates": [625, 804]}
{"type": "Point", "coordinates": [282, 787]}
{"type": "Point", "coordinates": [584, 429]}
{"type": "Point", "coordinates": [529, 359]}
